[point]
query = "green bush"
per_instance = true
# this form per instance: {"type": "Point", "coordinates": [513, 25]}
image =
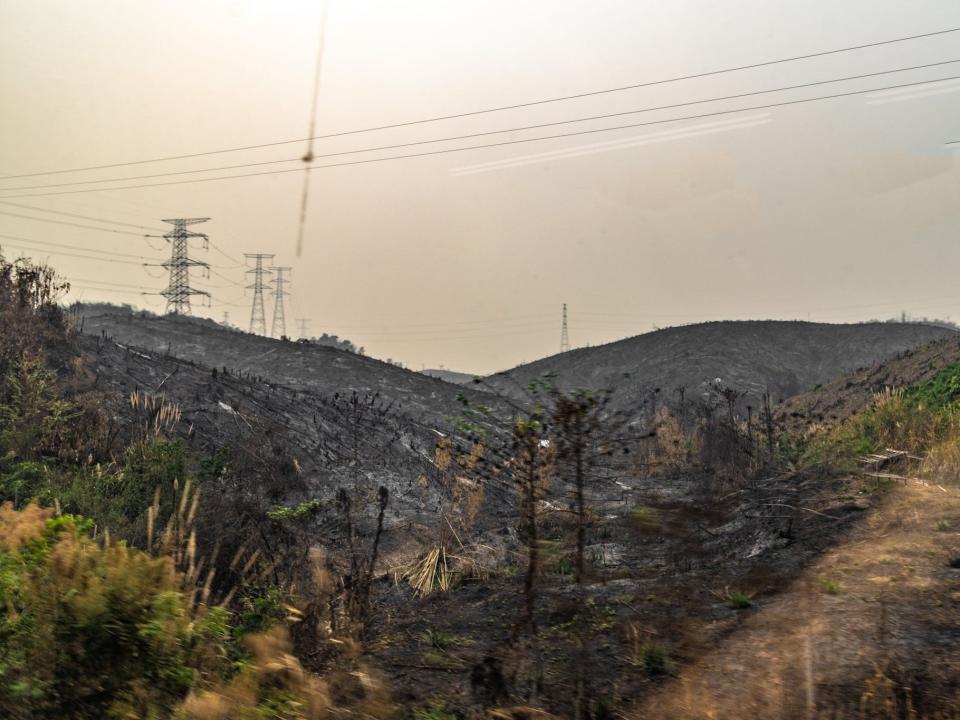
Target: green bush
{"type": "Point", "coordinates": [94, 631]}
{"type": "Point", "coordinates": [922, 417]}
{"type": "Point", "coordinates": [653, 659]}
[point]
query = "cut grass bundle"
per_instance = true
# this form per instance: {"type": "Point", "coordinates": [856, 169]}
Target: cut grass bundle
{"type": "Point", "coordinates": [431, 573]}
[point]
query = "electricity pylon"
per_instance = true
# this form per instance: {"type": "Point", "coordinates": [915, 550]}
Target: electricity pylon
{"type": "Point", "coordinates": [564, 335]}
{"type": "Point", "coordinates": [279, 316]}
{"type": "Point", "coordinates": [302, 327]}
{"type": "Point", "coordinates": [258, 319]}
{"type": "Point", "coordinates": [178, 290]}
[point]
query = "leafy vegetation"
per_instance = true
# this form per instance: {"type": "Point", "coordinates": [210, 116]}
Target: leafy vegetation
{"type": "Point", "coordinates": [652, 658]}
{"type": "Point", "coordinates": [921, 418]}
{"type": "Point", "coordinates": [95, 629]}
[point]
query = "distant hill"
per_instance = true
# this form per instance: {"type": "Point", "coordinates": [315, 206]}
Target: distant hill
{"type": "Point", "coordinates": [788, 357]}
{"type": "Point", "coordinates": [450, 376]}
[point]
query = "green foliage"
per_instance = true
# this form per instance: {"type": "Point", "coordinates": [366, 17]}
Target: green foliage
{"type": "Point", "coordinates": [115, 498]}
{"type": "Point", "coordinates": [22, 481]}
{"type": "Point", "coordinates": [215, 465]}
{"type": "Point", "coordinates": [938, 393]}
{"type": "Point", "coordinates": [261, 610]}
{"type": "Point", "coordinates": [652, 658]}
{"type": "Point", "coordinates": [300, 511]}
{"type": "Point", "coordinates": [93, 631]}
{"type": "Point", "coordinates": [943, 526]}
{"type": "Point", "coordinates": [33, 416]}
{"type": "Point", "coordinates": [922, 417]}
{"type": "Point", "coordinates": [739, 600]}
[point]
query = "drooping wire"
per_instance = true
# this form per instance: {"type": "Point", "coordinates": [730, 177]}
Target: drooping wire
{"type": "Point", "coordinates": [75, 215]}
{"type": "Point", "coordinates": [152, 246]}
{"type": "Point", "coordinates": [484, 111]}
{"type": "Point", "coordinates": [308, 156]}
{"type": "Point", "coordinates": [504, 143]}
{"type": "Point", "coordinates": [71, 224]}
{"type": "Point", "coordinates": [111, 253]}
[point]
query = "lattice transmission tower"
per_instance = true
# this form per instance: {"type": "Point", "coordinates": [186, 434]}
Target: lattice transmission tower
{"type": "Point", "coordinates": [303, 326]}
{"type": "Point", "coordinates": [258, 319]}
{"type": "Point", "coordinates": [178, 291]}
{"type": "Point", "coordinates": [564, 335]}
{"type": "Point", "coordinates": [279, 316]}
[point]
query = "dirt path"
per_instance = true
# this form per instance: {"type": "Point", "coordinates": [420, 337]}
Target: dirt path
{"type": "Point", "coordinates": [885, 601]}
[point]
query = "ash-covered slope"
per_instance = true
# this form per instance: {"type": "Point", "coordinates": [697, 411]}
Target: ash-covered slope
{"type": "Point", "coordinates": [850, 394]}
{"type": "Point", "coordinates": [788, 357]}
{"type": "Point", "coordinates": [318, 369]}
{"type": "Point", "coordinates": [288, 445]}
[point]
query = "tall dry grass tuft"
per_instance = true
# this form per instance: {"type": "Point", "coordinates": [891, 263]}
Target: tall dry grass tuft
{"type": "Point", "coordinates": [273, 684]}
{"type": "Point", "coordinates": [157, 417]}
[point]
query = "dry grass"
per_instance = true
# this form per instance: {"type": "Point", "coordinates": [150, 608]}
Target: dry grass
{"type": "Point", "coordinates": [156, 416]}
{"type": "Point", "coordinates": [432, 573]}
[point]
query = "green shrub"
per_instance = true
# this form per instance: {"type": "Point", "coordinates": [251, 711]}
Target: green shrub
{"type": "Point", "coordinates": [23, 481]}
{"type": "Point", "coordinates": [653, 659]}
{"type": "Point", "coordinates": [93, 631]}
{"type": "Point", "coordinates": [260, 610]}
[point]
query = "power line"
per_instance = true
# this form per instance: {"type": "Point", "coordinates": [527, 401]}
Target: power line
{"type": "Point", "coordinates": [68, 254]}
{"type": "Point", "coordinates": [228, 257]}
{"type": "Point", "coordinates": [446, 326]}
{"type": "Point", "coordinates": [104, 282]}
{"type": "Point", "coordinates": [500, 108]}
{"type": "Point", "coordinates": [74, 247]}
{"type": "Point", "coordinates": [224, 277]}
{"type": "Point", "coordinates": [504, 143]}
{"type": "Point", "coordinates": [487, 133]}
{"type": "Point", "coordinates": [104, 289]}
{"type": "Point", "coordinates": [75, 215]}
{"type": "Point", "coordinates": [71, 224]}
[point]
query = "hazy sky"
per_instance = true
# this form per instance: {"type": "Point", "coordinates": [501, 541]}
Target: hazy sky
{"type": "Point", "coordinates": [836, 210]}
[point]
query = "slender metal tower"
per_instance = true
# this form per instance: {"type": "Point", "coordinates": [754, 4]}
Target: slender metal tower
{"type": "Point", "coordinates": [178, 290]}
{"type": "Point", "coordinates": [258, 319]}
{"type": "Point", "coordinates": [303, 325]}
{"type": "Point", "coordinates": [564, 335]}
{"type": "Point", "coordinates": [279, 316]}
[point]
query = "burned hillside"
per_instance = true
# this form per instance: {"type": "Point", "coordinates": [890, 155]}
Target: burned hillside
{"type": "Point", "coordinates": [678, 364]}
